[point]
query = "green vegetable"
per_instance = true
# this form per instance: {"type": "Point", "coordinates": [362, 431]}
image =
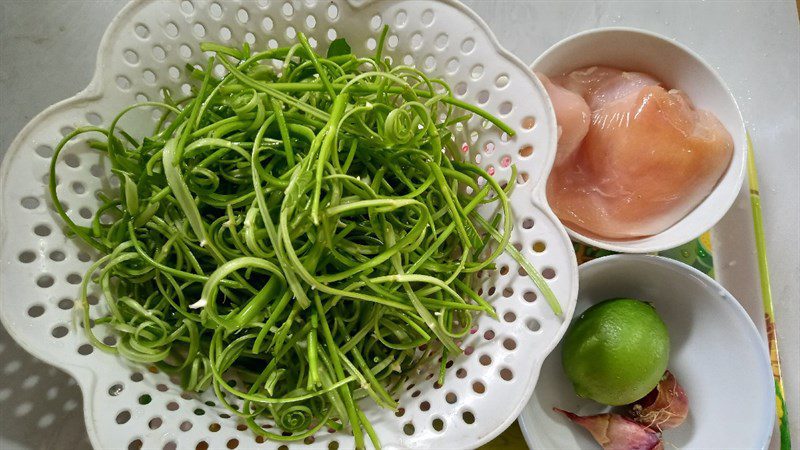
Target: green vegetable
{"type": "Point", "coordinates": [305, 231]}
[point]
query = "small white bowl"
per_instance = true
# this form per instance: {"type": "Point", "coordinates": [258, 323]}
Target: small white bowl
{"type": "Point", "coordinates": [716, 355]}
{"type": "Point", "coordinates": [677, 67]}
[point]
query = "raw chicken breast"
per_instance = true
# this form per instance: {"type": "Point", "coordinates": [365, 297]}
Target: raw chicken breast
{"type": "Point", "coordinates": [572, 117]}
{"type": "Point", "coordinates": [601, 85]}
{"type": "Point", "coordinates": [647, 160]}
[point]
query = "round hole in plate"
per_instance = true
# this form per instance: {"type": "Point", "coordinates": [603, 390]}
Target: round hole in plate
{"type": "Point", "coordinates": [408, 429]}
{"type": "Point", "coordinates": [510, 344]}
{"type": "Point", "coordinates": [468, 417]}
{"type": "Point", "coordinates": [232, 443]}
{"type": "Point", "coordinates": [214, 427]}
{"type": "Point", "coordinates": [215, 11]}
{"type": "Point", "coordinates": [131, 56]}
{"type": "Point", "coordinates": [267, 24]}
{"type": "Point", "coordinates": [115, 389]}
{"type": "Point", "coordinates": [427, 17]}
{"type": "Point", "coordinates": [460, 88]}
{"type": "Point", "coordinates": [159, 53]}
{"type": "Point", "coordinates": [375, 22]}
{"type": "Point", "coordinates": [137, 377]}
{"type": "Point", "coordinates": [533, 324]}
{"type": "Point", "coordinates": [430, 63]}
{"type": "Point", "coordinates": [187, 7]}
{"type": "Point", "coordinates": [185, 425]}
{"type": "Point", "coordinates": [371, 44]}
{"type": "Point", "coordinates": [141, 30]}
{"type": "Point", "coordinates": [199, 30]}
{"type": "Point", "coordinates": [506, 374]}
{"type": "Point", "coordinates": [155, 423]}
{"type": "Point", "coordinates": [549, 273]}
{"type": "Point", "coordinates": [461, 373]}
{"type": "Point", "coordinates": [331, 34]}
{"type": "Point", "coordinates": [171, 29]}
{"type": "Point", "coordinates": [123, 82]}
{"type": "Point", "coordinates": [477, 71]}
{"type": "Point", "coordinates": [527, 223]}
{"type": "Point", "coordinates": [505, 108]}
{"type": "Point", "coordinates": [123, 416]}
{"type": "Point", "coordinates": [399, 412]}
{"type": "Point", "coordinates": [441, 41]}
{"type": "Point", "coordinates": [84, 257]}
{"type": "Point", "coordinates": [485, 360]}
{"type": "Point", "coordinates": [333, 11]}
{"type": "Point", "coordinates": [529, 296]}
{"type": "Point", "coordinates": [539, 246]}
{"type": "Point", "coordinates": [135, 444]}
{"type": "Point", "coordinates": [35, 311]}
{"type": "Point", "coordinates": [171, 445]}
{"type": "Point", "coordinates": [203, 445]}
{"type": "Point", "coordinates": [287, 9]}
{"type": "Point", "coordinates": [501, 81]}
{"type": "Point", "coordinates": [488, 335]}
{"type": "Point", "coordinates": [424, 406]}
{"type": "Point", "coordinates": [438, 424]}
{"type": "Point", "coordinates": [451, 397]}
{"type": "Point", "coordinates": [311, 22]}
{"type": "Point", "coordinates": [504, 270]}
{"type": "Point", "coordinates": [66, 304]}
{"type": "Point", "coordinates": [225, 33]}
{"type": "Point", "coordinates": [508, 292]}
{"type": "Point", "coordinates": [72, 160]}
{"type": "Point", "coordinates": [491, 291]}
{"type": "Point", "coordinates": [416, 41]}
{"type": "Point", "coordinates": [483, 96]}
{"type": "Point", "coordinates": [185, 51]}
{"type": "Point", "coordinates": [145, 399]}
{"type": "Point", "coordinates": [45, 281]}
{"type": "Point", "coordinates": [467, 45]}
{"type": "Point", "coordinates": [110, 341]}
{"type": "Point", "coordinates": [59, 331]}
{"type": "Point", "coordinates": [85, 349]}
{"type": "Point", "coordinates": [44, 151]}
{"type": "Point", "coordinates": [172, 406]}
{"type": "Point", "coordinates": [525, 151]}
{"type": "Point", "coordinates": [242, 16]}
{"type": "Point", "coordinates": [26, 257]}
{"type": "Point", "coordinates": [291, 33]}
{"type": "Point", "coordinates": [333, 445]}
{"type": "Point", "coordinates": [74, 278]}
{"type": "Point", "coordinates": [528, 123]}
{"type": "Point", "coordinates": [452, 65]}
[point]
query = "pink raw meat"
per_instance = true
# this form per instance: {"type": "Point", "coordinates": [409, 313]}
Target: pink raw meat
{"type": "Point", "coordinates": [647, 160]}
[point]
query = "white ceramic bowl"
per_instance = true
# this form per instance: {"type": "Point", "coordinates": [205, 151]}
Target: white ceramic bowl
{"type": "Point", "coordinates": [677, 67]}
{"type": "Point", "coordinates": [716, 355]}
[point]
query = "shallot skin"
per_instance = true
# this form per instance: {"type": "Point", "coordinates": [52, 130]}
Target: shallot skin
{"type": "Point", "coordinates": [665, 407]}
{"type": "Point", "coordinates": [615, 432]}
{"type": "Point", "coordinates": [647, 160]}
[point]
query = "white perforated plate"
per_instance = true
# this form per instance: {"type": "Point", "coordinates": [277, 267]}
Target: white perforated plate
{"type": "Point", "coordinates": [144, 50]}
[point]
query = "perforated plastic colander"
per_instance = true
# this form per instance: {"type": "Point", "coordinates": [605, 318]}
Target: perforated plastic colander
{"type": "Point", "coordinates": [144, 50]}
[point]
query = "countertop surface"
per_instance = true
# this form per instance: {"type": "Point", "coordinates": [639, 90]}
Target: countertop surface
{"type": "Point", "coordinates": [48, 49]}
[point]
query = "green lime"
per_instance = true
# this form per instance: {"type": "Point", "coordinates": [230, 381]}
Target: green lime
{"type": "Point", "coordinates": [616, 351]}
